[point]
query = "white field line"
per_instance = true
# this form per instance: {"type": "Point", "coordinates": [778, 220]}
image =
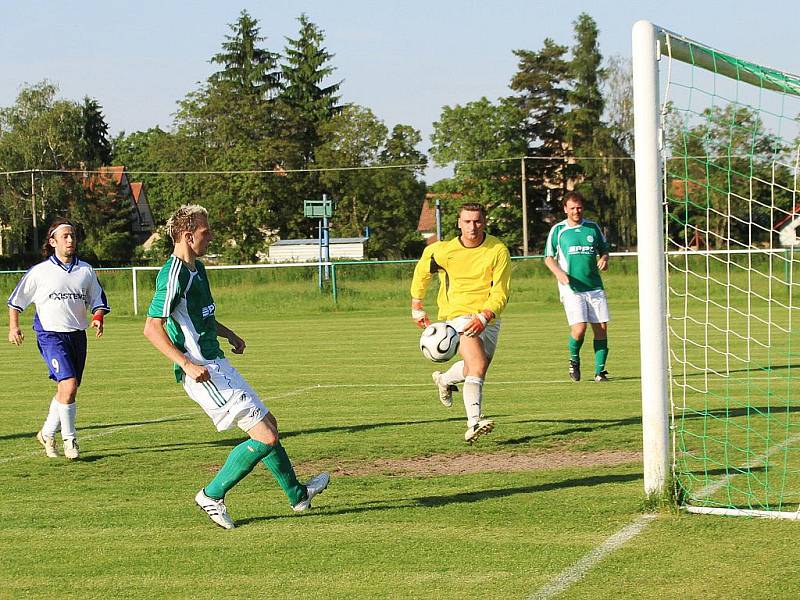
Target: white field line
{"type": "Point", "coordinates": [288, 394]}
{"type": "Point", "coordinates": [577, 571]}
{"type": "Point", "coordinates": [103, 433]}
{"type": "Point", "coordinates": [142, 424]}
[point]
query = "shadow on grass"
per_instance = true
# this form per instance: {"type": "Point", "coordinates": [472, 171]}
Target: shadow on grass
{"type": "Point", "coordinates": [97, 453]}
{"type": "Point", "coordinates": [574, 426]}
{"type": "Point", "coordinates": [459, 498]}
{"type": "Point", "coordinates": [31, 434]}
{"type": "Point", "coordinates": [368, 426]}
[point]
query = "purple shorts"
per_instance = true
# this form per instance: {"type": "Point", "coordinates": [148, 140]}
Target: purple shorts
{"type": "Point", "coordinates": [64, 353]}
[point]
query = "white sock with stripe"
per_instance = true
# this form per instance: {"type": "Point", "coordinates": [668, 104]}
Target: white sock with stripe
{"type": "Point", "coordinates": [53, 420]}
{"type": "Point", "coordinates": [67, 414]}
{"type": "Point", "coordinates": [473, 396]}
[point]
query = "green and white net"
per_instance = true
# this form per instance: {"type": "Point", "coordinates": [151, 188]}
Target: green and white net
{"type": "Point", "coordinates": [733, 276]}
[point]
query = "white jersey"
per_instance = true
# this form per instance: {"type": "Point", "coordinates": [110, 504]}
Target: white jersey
{"type": "Point", "coordinates": [62, 294]}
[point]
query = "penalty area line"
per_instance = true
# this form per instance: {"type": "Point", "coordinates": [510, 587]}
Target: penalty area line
{"type": "Point", "coordinates": [575, 573]}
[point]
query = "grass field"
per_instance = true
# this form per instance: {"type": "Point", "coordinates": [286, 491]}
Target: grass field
{"type": "Point", "coordinates": [411, 512]}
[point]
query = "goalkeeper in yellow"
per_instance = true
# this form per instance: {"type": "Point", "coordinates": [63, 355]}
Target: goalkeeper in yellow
{"type": "Point", "coordinates": [474, 276]}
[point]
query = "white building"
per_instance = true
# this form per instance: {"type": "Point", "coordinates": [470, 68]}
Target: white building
{"type": "Point", "coordinates": [308, 250]}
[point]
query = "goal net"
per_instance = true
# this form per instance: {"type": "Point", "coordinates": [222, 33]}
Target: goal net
{"type": "Point", "coordinates": [728, 156]}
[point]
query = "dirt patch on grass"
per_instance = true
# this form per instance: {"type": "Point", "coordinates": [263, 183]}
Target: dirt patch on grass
{"type": "Point", "coordinates": [504, 462]}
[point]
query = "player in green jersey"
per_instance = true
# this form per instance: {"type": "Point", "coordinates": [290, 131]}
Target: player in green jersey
{"type": "Point", "coordinates": [576, 251]}
{"type": "Point", "coordinates": [182, 325]}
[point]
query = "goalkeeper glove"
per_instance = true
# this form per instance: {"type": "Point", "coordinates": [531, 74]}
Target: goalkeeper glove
{"type": "Point", "coordinates": [478, 323]}
{"type": "Point", "coordinates": [418, 314]}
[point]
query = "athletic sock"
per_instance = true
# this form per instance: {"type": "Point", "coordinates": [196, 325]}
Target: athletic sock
{"type": "Point", "coordinates": [242, 459]}
{"type": "Point", "coordinates": [600, 355]}
{"type": "Point", "coordinates": [66, 414]}
{"type": "Point", "coordinates": [53, 421]}
{"type": "Point", "coordinates": [453, 375]}
{"type": "Point", "coordinates": [575, 349]}
{"type": "Point", "coordinates": [281, 468]}
{"type": "Point", "coordinates": [473, 396]}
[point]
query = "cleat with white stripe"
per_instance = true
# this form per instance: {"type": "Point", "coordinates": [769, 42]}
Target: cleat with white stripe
{"type": "Point", "coordinates": [215, 509]}
{"type": "Point", "coordinates": [313, 487]}
{"type": "Point", "coordinates": [49, 445]}
{"type": "Point", "coordinates": [480, 428]}
{"type": "Point", "coordinates": [445, 391]}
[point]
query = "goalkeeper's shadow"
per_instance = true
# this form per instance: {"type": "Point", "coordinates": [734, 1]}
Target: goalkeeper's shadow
{"type": "Point", "coordinates": [454, 499]}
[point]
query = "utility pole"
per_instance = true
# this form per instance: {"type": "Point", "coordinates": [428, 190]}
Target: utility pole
{"type": "Point", "coordinates": [524, 211]}
{"type": "Point", "coordinates": [438, 213]}
{"type": "Point", "coordinates": [33, 215]}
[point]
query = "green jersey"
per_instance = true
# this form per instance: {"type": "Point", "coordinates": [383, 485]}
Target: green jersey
{"type": "Point", "coordinates": [577, 248]}
{"type": "Point", "coordinates": [183, 297]}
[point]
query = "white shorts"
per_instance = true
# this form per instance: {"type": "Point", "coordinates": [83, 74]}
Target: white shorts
{"type": "Point", "coordinates": [488, 336]}
{"type": "Point", "coordinates": [227, 398]}
{"type": "Point", "coordinates": [586, 307]}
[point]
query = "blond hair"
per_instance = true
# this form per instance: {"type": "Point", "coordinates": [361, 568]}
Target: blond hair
{"type": "Point", "coordinates": [186, 218]}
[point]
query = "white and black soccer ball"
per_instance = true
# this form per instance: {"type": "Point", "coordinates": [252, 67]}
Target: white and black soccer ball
{"type": "Point", "coordinates": [439, 342]}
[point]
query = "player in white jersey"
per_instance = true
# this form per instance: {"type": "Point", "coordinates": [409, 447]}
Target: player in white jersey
{"type": "Point", "coordinates": [182, 325]}
{"type": "Point", "coordinates": [63, 288]}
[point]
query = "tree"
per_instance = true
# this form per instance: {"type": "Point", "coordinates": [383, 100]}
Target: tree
{"type": "Point", "coordinates": [741, 157]}
{"type": "Point", "coordinates": [618, 84]}
{"type": "Point", "coordinates": [601, 169]}
{"type": "Point", "coordinates": [308, 103]}
{"type": "Point", "coordinates": [386, 200]}
{"type": "Point", "coordinates": [231, 123]}
{"type": "Point", "coordinates": [541, 83]}
{"type": "Point", "coordinates": [479, 138]}
{"type": "Point", "coordinates": [38, 133]}
{"type": "Point", "coordinates": [96, 145]}
{"type": "Point", "coordinates": [248, 69]}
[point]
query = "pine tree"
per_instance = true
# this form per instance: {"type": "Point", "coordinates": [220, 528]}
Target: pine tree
{"type": "Point", "coordinates": [541, 81]}
{"type": "Point", "coordinates": [97, 146]}
{"type": "Point", "coordinates": [308, 102]}
{"type": "Point", "coordinates": [602, 174]}
{"type": "Point", "coordinates": [247, 68]}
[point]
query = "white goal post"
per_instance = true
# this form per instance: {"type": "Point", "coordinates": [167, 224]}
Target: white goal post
{"type": "Point", "coordinates": [717, 157]}
{"type": "Point", "coordinates": [652, 277]}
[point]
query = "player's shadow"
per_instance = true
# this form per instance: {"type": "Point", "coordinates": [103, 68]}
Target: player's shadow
{"type": "Point", "coordinates": [573, 426]}
{"type": "Point", "coordinates": [458, 498]}
{"type": "Point", "coordinates": [368, 426]}
{"type": "Point", "coordinates": [32, 434]}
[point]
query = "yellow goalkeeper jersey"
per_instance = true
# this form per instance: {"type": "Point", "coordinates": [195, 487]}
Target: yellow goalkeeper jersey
{"type": "Point", "coordinates": [470, 279]}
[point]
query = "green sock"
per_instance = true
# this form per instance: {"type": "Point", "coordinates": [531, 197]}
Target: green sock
{"type": "Point", "coordinates": [600, 355]}
{"type": "Point", "coordinates": [281, 468]}
{"type": "Point", "coordinates": [575, 349]}
{"type": "Point", "coordinates": [240, 462]}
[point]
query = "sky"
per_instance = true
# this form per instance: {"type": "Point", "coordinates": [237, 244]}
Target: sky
{"type": "Point", "coordinates": [404, 60]}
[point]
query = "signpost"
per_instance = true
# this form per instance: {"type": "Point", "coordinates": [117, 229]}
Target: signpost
{"type": "Point", "coordinates": [322, 210]}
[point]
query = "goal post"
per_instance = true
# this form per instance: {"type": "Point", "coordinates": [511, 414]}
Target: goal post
{"type": "Point", "coordinates": [717, 155]}
{"type": "Point", "coordinates": [652, 279]}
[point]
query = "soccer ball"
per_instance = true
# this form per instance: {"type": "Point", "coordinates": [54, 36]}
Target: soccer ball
{"type": "Point", "coordinates": [439, 342]}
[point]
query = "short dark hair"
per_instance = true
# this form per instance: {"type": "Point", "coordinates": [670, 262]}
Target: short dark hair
{"type": "Point", "coordinates": [574, 196]}
{"type": "Point", "coordinates": [472, 206]}
{"type": "Point", "coordinates": [47, 249]}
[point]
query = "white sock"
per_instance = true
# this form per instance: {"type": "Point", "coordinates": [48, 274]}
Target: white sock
{"type": "Point", "coordinates": [453, 375]}
{"type": "Point", "coordinates": [67, 414]}
{"type": "Point", "coordinates": [53, 420]}
{"type": "Point", "coordinates": [473, 395]}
